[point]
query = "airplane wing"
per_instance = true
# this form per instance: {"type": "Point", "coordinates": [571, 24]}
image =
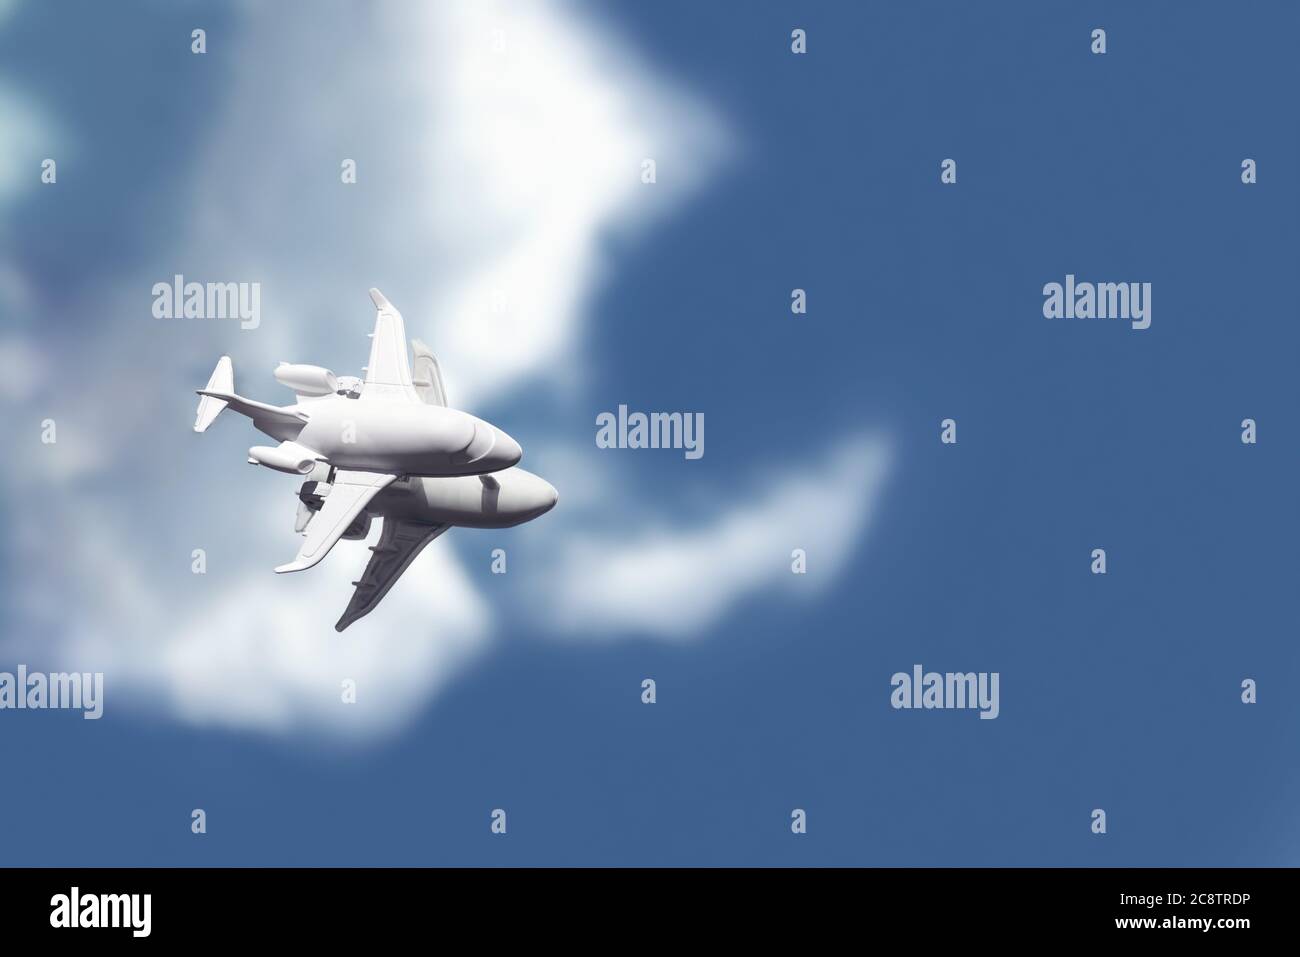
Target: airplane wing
{"type": "Point", "coordinates": [428, 377]}
{"type": "Point", "coordinates": [348, 495]}
{"type": "Point", "coordinates": [399, 543]}
{"type": "Point", "coordinates": [259, 412]}
{"type": "Point", "coordinates": [388, 374]}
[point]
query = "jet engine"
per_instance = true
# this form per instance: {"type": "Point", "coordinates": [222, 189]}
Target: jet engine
{"type": "Point", "coordinates": [286, 457]}
{"type": "Point", "coordinates": [313, 381]}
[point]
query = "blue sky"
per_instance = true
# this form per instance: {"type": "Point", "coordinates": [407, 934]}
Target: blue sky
{"type": "Point", "coordinates": [775, 171]}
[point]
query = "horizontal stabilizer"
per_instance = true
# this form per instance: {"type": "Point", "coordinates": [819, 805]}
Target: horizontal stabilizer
{"type": "Point", "coordinates": [222, 380]}
{"type": "Point", "coordinates": [257, 411]}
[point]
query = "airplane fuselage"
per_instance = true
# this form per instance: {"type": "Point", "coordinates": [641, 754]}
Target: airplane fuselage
{"type": "Point", "coordinates": [398, 437]}
{"type": "Point", "coordinates": [511, 497]}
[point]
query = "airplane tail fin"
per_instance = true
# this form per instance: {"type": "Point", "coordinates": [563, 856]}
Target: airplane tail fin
{"type": "Point", "coordinates": [222, 380]}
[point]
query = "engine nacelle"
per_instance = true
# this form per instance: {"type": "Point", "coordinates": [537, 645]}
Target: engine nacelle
{"type": "Point", "coordinates": [307, 380]}
{"type": "Point", "coordinates": [286, 457]}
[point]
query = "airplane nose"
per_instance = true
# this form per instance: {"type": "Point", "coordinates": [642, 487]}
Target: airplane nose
{"type": "Point", "coordinates": [540, 494]}
{"type": "Point", "coordinates": [490, 449]}
{"type": "Point", "coordinates": [506, 451]}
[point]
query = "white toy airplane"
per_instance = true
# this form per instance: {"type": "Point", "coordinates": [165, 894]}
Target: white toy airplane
{"type": "Point", "coordinates": [386, 446]}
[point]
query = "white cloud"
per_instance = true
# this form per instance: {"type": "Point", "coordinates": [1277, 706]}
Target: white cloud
{"type": "Point", "coordinates": [258, 656]}
{"type": "Point", "coordinates": [555, 134]}
{"type": "Point", "coordinates": [478, 170]}
{"type": "Point", "coordinates": [498, 144]}
{"type": "Point", "coordinates": [675, 581]}
{"type": "Point", "coordinates": [29, 136]}
{"type": "Point", "coordinates": [240, 647]}
{"type": "Point", "coordinates": [481, 170]}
